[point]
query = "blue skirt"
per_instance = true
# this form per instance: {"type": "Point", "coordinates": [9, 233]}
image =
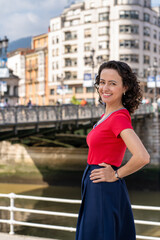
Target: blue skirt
{"type": "Point", "coordinates": [105, 212]}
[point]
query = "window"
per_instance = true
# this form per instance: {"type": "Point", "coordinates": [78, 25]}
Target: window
{"type": "Point", "coordinates": [51, 91]}
{"type": "Point", "coordinates": [102, 58]}
{"type": "Point", "coordinates": [103, 30]}
{"type": "Point", "coordinates": [146, 17]}
{"type": "Point", "coordinates": [79, 89]}
{"type": "Point", "coordinates": [87, 47]}
{"type": "Point", "coordinates": [129, 29]}
{"type": "Point", "coordinates": [70, 75]}
{"type": "Point", "coordinates": [89, 89]}
{"type": "Point", "coordinates": [87, 18]}
{"type": "Point", "coordinates": [155, 48]}
{"type": "Point", "coordinates": [129, 58]}
{"type": "Point", "coordinates": [129, 43]}
{"type": "Point", "coordinates": [103, 45]}
{"type": "Point", "coordinates": [87, 32]}
{"type": "Point", "coordinates": [155, 20]}
{"type": "Point", "coordinates": [146, 45]}
{"type": "Point", "coordinates": [70, 62]}
{"type": "Point", "coordinates": [70, 35]}
{"type": "Point", "coordinates": [129, 14]}
{"type": "Point", "coordinates": [146, 31]}
{"type": "Point", "coordinates": [8, 90]}
{"type": "Point", "coordinates": [146, 59]}
{"type": "Point", "coordinates": [135, 70]}
{"type": "Point", "coordinates": [103, 16]}
{"type": "Point", "coordinates": [128, 2]}
{"type": "Point", "coordinates": [155, 34]}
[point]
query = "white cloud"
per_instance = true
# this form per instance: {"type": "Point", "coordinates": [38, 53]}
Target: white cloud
{"type": "Point", "coordinates": [21, 18]}
{"type": "Point", "coordinates": [27, 18]}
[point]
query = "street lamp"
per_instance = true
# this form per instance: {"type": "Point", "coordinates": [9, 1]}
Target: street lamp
{"type": "Point", "coordinates": [3, 45]}
{"type": "Point", "coordinates": [61, 79]}
{"type": "Point", "coordinates": [90, 61]}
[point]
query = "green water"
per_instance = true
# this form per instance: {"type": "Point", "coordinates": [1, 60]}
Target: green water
{"type": "Point", "coordinates": [137, 197]}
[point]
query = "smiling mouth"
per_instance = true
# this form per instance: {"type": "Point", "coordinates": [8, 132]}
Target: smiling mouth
{"type": "Point", "coordinates": [106, 95]}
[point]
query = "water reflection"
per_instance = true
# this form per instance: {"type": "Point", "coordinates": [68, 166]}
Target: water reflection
{"type": "Point", "coordinates": [73, 192]}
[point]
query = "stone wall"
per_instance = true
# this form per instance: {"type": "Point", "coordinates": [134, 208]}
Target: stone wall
{"type": "Point", "coordinates": [51, 157]}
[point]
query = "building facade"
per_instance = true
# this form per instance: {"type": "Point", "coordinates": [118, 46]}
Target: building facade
{"type": "Point", "coordinates": [16, 62]}
{"type": "Point", "coordinates": [9, 90]}
{"type": "Point", "coordinates": [36, 71]}
{"type": "Point", "coordinates": [91, 32]}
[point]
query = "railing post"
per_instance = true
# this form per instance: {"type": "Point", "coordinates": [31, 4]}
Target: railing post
{"type": "Point", "coordinates": [12, 196]}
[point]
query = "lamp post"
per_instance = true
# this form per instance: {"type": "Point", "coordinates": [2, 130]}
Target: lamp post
{"type": "Point", "coordinates": [3, 46]}
{"type": "Point", "coordinates": [3, 60]}
{"type": "Point", "coordinates": [90, 61]}
{"type": "Point", "coordinates": [61, 79]}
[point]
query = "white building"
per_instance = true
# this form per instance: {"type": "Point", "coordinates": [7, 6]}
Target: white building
{"type": "Point", "coordinates": [126, 30]}
{"type": "Point", "coordinates": [16, 62]}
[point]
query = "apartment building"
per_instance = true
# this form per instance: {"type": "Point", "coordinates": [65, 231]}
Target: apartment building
{"type": "Point", "coordinates": [16, 62]}
{"type": "Point", "coordinates": [36, 71]}
{"type": "Point", "coordinates": [91, 32]}
{"type": "Point", "coordinates": [31, 66]}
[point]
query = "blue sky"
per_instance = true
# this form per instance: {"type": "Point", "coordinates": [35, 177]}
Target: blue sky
{"type": "Point", "coordinates": [22, 18]}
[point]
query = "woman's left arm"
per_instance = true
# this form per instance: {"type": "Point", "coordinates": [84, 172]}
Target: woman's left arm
{"type": "Point", "coordinates": [140, 156]}
{"type": "Point", "coordinates": [139, 159]}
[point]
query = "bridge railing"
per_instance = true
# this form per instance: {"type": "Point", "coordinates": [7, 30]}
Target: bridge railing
{"type": "Point", "coordinates": [12, 209]}
{"type": "Point", "coordinates": [41, 114]}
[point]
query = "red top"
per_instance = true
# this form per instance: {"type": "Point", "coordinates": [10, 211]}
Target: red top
{"type": "Point", "coordinates": [104, 141]}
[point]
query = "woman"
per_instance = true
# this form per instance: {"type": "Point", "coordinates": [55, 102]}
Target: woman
{"type": "Point", "coordinates": [105, 212]}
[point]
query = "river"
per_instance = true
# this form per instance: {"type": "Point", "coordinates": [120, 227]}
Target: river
{"type": "Point", "coordinates": [145, 197]}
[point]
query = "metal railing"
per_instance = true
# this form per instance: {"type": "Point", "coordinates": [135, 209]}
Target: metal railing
{"type": "Point", "coordinates": [13, 209]}
{"type": "Point", "coordinates": [55, 114]}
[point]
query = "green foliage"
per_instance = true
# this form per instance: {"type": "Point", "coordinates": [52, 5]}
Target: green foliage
{"type": "Point", "coordinates": [75, 101]}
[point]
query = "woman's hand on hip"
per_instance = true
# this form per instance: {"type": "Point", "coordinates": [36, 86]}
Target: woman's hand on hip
{"type": "Point", "coordinates": [104, 174]}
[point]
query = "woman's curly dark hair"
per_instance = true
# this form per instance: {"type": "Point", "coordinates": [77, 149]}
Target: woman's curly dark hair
{"type": "Point", "coordinates": [133, 95]}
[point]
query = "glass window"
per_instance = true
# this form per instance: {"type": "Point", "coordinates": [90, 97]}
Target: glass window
{"type": "Point", "coordinates": [146, 17]}
{"type": "Point", "coordinates": [103, 16]}
{"type": "Point", "coordinates": [129, 43]}
{"type": "Point", "coordinates": [155, 48]}
{"type": "Point", "coordinates": [155, 34]}
{"type": "Point", "coordinates": [155, 20]}
{"type": "Point", "coordinates": [146, 31]}
{"type": "Point", "coordinates": [103, 45]}
{"type": "Point", "coordinates": [146, 45]}
{"type": "Point", "coordinates": [129, 14]}
{"type": "Point", "coordinates": [129, 29]}
{"type": "Point", "coordinates": [51, 91]}
{"type": "Point", "coordinates": [129, 58]}
{"type": "Point", "coordinates": [87, 18]}
{"type": "Point", "coordinates": [87, 32]}
{"type": "Point", "coordinates": [79, 89]}
{"type": "Point", "coordinates": [87, 47]}
{"type": "Point", "coordinates": [146, 59]}
{"type": "Point", "coordinates": [89, 89]}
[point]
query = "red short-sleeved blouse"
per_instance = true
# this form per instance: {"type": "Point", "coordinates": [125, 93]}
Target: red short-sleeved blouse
{"type": "Point", "coordinates": [104, 141]}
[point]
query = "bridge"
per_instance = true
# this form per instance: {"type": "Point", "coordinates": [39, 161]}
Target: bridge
{"type": "Point", "coordinates": [24, 121]}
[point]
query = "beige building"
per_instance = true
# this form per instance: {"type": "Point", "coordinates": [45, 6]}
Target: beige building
{"type": "Point", "coordinates": [93, 31]}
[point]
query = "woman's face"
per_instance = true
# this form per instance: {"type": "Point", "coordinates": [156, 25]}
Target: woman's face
{"type": "Point", "coordinates": [111, 87]}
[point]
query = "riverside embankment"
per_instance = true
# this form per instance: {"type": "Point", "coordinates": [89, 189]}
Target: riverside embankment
{"type": "Point", "coordinates": [53, 165]}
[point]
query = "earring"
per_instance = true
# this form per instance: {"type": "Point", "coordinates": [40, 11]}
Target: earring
{"type": "Point", "coordinates": [124, 93]}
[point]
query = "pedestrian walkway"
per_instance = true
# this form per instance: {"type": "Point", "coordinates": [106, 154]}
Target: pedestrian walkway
{"type": "Point", "coordinates": [6, 236]}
